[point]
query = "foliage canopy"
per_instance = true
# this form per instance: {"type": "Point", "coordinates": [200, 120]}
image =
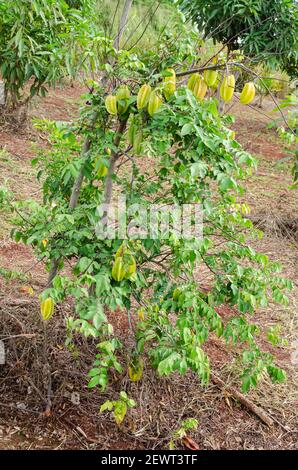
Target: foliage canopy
{"type": "Point", "coordinates": [265, 30]}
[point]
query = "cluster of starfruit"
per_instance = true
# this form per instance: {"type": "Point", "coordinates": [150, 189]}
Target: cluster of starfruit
{"type": "Point", "coordinates": [199, 86]}
{"type": "Point", "coordinates": [118, 104]}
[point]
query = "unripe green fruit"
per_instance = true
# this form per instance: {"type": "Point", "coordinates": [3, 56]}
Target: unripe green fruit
{"type": "Point", "coordinates": [111, 104]}
{"type": "Point", "coordinates": [210, 77]}
{"type": "Point", "coordinates": [155, 103]}
{"type": "Point", "coordinates": [169, 84]}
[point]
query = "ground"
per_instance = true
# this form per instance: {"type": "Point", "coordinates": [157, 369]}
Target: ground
{"type": "Point", "coordinates": [74, 421]}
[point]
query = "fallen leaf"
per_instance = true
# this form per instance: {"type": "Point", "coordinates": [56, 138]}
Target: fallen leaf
{"type": "Point", "coordinates": [190, 443]}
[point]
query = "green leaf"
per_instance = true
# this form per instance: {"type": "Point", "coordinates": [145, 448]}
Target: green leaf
{"type": "Point", "coordinates": [107, 405]}
{"type": "Point", "coordinates": [186, 129]}
{"type": "Point", "coordinates": [94, 381]}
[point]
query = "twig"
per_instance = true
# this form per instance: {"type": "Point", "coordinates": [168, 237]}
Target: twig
{"type": "Point", "coordinates": [243, 400]}
{"type": "Point", "coordinates": [24, 335]}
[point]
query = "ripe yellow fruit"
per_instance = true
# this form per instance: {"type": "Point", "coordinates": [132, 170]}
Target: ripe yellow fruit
{"type": "Point", "coordinates": [227, 88]}
{"type": "Point", "coordinates": [155, 103]}
{"type": "Point", "coordinates": [111, 104]}
{"type": "Point", "coordinates": [210, 77]}
{"type": "Point", "coordinates": [47, 308]}
{"type": "Point", "coordinates": [248, 93]}
{"type": "Point", "coordinates": [202, 90]}
{"type": "Point", "coordinates": [118, 271]}
{"type": "Point", "coordinates": [197, 85]}
{"type": "Point", "coordinates": [169, 84]}
{"type": "Point", "coordinates": [143, 96]}
{"type": "Point", "coordinates": [125, 264]}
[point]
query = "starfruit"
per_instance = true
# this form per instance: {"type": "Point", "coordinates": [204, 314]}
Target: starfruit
{"type": "Point", "coordinates": [248, 93]}
{"type": "Point", "coordinates": [135, 369]}
{"type": "Point", "coordinates": [135, 136]}
{"type": "Point", "coordinates": [210, 77]}
{"type": "Point", "coordinates": [111, 104]}
{"type": "Point", "coordinates": [155, 102]}
{"type": "Point", "coordinates": [137, 142]}
{"type": "Point", "coordinates": [47, 308]}
{"type": "Point", "coordinates": [202, 90]}
{"type": "Point", "coordinates": [143, 96]}
{"type": "Point", "coordinates": [131, 132]}
{"type": "Point", "coordinates": [227, 88]}
{"type": "Point", "coordinates": [197, 85]}
{"type": "Point", "coordinates": [123, 93]}
{"type": "Point", "coordinates": [169, 86]}
{"type": "Point", "coordinates": [118, 271]}
{"type": "Point", "coordinates": [121, 250]}
{"type": "Point", "coordinates": [122, 97]}
{"type": "Point", "coordinates": [195, 78]}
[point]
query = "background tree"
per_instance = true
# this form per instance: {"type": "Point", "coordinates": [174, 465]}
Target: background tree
{"type": "Point", "coordinates": [265, 30]}
{"type": "Point", "coordinates": [37, 45]}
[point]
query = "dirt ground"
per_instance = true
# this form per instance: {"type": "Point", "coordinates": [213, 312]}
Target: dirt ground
{"type": "Point", "coordinates": [162, 404]}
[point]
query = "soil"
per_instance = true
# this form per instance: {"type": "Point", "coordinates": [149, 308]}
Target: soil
{"type": "Point", "coordinates": [74, 421]}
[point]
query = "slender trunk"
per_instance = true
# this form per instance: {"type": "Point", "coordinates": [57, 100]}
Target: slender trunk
{"type": "Point", "coordinates": [114, 157]}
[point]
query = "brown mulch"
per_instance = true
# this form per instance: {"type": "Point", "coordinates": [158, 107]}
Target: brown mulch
{"type": "Point", "coordinates": [161, 403]}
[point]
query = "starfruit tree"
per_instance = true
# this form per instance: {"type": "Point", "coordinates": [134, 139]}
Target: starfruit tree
{"type": "Point", "coordinates": [151, 131]}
